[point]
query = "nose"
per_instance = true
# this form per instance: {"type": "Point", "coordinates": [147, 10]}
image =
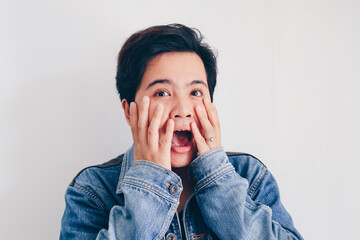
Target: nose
{"type": "Point", "coordinates": [182, 110]}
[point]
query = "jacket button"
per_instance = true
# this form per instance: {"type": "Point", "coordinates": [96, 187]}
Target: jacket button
{"type": "Point", "coordinates": [173, 189]}
{"type": "Point", "coordinates": [171, 236]}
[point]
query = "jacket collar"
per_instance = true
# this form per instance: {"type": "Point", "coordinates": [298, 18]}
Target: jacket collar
{"type": "Point", "coordinates": [126, 164]}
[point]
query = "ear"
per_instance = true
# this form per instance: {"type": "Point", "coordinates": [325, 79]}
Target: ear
{"type": "Point", "coordinates": [126, 107]}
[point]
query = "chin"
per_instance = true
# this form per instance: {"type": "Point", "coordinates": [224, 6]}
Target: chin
{"type": "Point", "coordinates": [179, 160]}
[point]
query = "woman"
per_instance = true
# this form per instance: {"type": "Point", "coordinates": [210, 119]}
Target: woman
{"type": "Point", "coordinates": [176, 181]}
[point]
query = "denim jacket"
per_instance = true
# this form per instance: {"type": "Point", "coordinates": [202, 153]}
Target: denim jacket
{"type": "Point", "coordinates": [235, 197]}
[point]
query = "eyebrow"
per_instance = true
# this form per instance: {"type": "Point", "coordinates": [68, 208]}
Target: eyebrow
{"type": "Point", "coordinates": [167, 81]}
{"type": "Point", "coordinates": [197, 82]}
{"type": "Point", "coordinates": [158, 81]}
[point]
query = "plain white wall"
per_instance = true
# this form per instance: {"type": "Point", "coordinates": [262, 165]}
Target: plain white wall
{"type": "Point", "coordinates": [288, 93]}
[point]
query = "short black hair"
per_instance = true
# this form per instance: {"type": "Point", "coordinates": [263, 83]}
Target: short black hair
{"type": "Point", "coordinates": [144, 45]}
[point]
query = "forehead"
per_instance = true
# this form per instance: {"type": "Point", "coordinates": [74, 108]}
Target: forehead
{"type": "Point", "coordinates": [178, 67]}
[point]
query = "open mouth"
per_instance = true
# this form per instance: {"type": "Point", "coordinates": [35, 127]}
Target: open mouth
{"type": "Point", "coordinates": [181, 138]}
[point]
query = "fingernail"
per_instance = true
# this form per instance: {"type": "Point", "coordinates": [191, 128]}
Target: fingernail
{"type": "Point", "coordinates": [199, 108]}
{"type": "Point", "coordinates": [159, 107]}
{"type": "Point", "coordinates": [207, 101]}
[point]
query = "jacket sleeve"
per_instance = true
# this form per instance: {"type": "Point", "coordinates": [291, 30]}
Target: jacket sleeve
{"type": "Point", "coordinates": [151, 197]}
{"type": "Point", "coordinates": [84, 215]}
{"type": "Point", "coordinates": [228, 210]}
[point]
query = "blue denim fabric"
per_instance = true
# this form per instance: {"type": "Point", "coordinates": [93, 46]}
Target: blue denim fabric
{"type": "Point", "coordinates": [235, 197]}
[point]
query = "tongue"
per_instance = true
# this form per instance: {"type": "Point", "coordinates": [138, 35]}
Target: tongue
{"type": "Point", "coordinates": [181, 138]}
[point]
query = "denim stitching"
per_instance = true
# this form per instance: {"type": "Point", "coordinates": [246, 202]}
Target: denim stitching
{"type": "Point", "coordinates": [124, 168]}
{"type": "Point", "coordinates": [91, 194]}
{"type": "Point", "coordinates": [205, 155]}
{"type": "Point", "coordinates": [167, 221]}
{"type": "Point", "coordinates": [152, 165]}
{"type": "Point", "coordinates": [255, 207]}
{"type": "Point", "coordinates": [170, 213]}
{"type": "Point", "coordinates": [214, 176]}
{"type": "Point", "coordinates": [142, 184]}
{"type": "Point", "coordinates": [256, 184]}
{"type": "Point", "coordinates": [151, 186]}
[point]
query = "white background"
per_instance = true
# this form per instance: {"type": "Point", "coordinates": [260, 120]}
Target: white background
{"type": "Point", "coordinates": [288, 93]}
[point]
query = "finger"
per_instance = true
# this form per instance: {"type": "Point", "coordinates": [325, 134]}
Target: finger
{"type": "Point", "coordinates": [164, 155]}
{"type": "Point", "coordinates": [134, 121]}
{"type": "Point", "coordinates": [166, 142]}
{"type": "Point", "coordinates": [205, 123]}
{"type": "Point", "coordinates": [212, 112]}
{"type": "Point", "coordinates": [199, 139]}
{"type": "Point", "coordinates": [143, 119]}
{"type": "Point", "coordinates": [153, 131]}
{"type": "Point", "coordinates": [214, 119]}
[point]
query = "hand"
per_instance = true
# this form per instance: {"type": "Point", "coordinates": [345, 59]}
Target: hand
{"type": "Point", "coordinates": [210, 125]}
{"type": "Point", "coordinates": [146, 136]}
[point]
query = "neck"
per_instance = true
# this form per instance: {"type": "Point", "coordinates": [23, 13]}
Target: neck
{"type": "Point", "coordinates": [188, 185]}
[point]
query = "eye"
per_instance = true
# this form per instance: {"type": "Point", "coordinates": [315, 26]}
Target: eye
{"type": "Point", "coordinates": [162, 94]}
{"type": "Point", "coordinates": [196, 93]}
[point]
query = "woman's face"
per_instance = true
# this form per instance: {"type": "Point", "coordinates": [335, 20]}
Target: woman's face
{"type": "Point", "coordinates": [178, 81]}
